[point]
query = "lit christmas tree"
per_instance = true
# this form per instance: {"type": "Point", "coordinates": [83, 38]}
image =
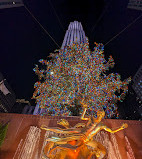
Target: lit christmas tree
{"type": "Point", "coordinates": [74, 74]}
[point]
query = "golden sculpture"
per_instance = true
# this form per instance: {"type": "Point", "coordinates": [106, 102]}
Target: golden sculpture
{"type": "Point", "coordinates": [74, 142]}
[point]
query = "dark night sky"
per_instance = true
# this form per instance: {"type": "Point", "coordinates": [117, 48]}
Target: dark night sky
{"type": "Point", "coordinates": [23, 42]}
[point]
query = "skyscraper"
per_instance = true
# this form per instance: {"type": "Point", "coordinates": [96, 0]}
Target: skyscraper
{"type": "Point", "coordinates": [137, 87]}
{"type": "Point", "coordinates": [135, 4]}
{"type": "Point", "coordinates": [137, 83]}
{"type": "Point", "coordinates": [131, 108]}
{"type": "Point", "coordinates": [75, 32]}
{"type": "Point", "coordinates": [7, 96]}
{"type": "Point", "coordinates": [10, 3]}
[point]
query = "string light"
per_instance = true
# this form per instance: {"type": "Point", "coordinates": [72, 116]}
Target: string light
{"type": "Point", "coordinates": [76, 73]}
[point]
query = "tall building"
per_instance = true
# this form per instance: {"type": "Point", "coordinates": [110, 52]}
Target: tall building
{"type": "Point", "coordinates": [10, 3]}
{"type": "Point", "coordinates": [137, 83]}
{"type": "Point", "coordinates": [135, 4]}
{"type": "Point", "coordinates": [75, 33]}
{"type": "Point", "coordinates": [131, 108]}
{"type": "Point", "coordinates": [7, 96]}
{"type": "Point", "coordinates": [137, 87]}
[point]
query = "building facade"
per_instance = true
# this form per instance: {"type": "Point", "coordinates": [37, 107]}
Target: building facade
{"type": "Point", "coordinates": [10, 3]}
{"type": "Point", "coordinates": [135, 4]}
{"type": "Point", "coordinates": [137, 83]}
{"type": "Point", "coordinates": [74, 33]}
{"type": "Point", "coordinates": [7, 96]}
{"type": "Point", "coordinates": [137, 87]}
{"type": "Point", "coordinates": [131, 107]}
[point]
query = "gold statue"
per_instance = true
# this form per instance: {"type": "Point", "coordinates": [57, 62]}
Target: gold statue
{"type": "Point", "coordinates": [75, 140]}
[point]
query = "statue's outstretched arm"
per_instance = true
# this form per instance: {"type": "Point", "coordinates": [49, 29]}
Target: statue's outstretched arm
{"type": "Point", "coordinates": [124, 125]}
{"type": "Point", "coordinates": [104, 127]}
{"type": "Point", "coordinates": [59, 130]}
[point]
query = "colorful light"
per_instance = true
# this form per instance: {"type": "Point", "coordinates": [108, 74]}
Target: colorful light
{"type": "Point", "coordinates": [77, 73]}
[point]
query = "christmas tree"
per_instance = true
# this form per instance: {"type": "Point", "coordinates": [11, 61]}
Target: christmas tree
{"type": "Point", "coordinates": [74, 74]}
{"type": "Point", "coordinates": [3, 131]}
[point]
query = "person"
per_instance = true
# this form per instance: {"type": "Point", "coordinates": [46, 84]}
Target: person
{"type": "Point", "coordinates": [7, 96]}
